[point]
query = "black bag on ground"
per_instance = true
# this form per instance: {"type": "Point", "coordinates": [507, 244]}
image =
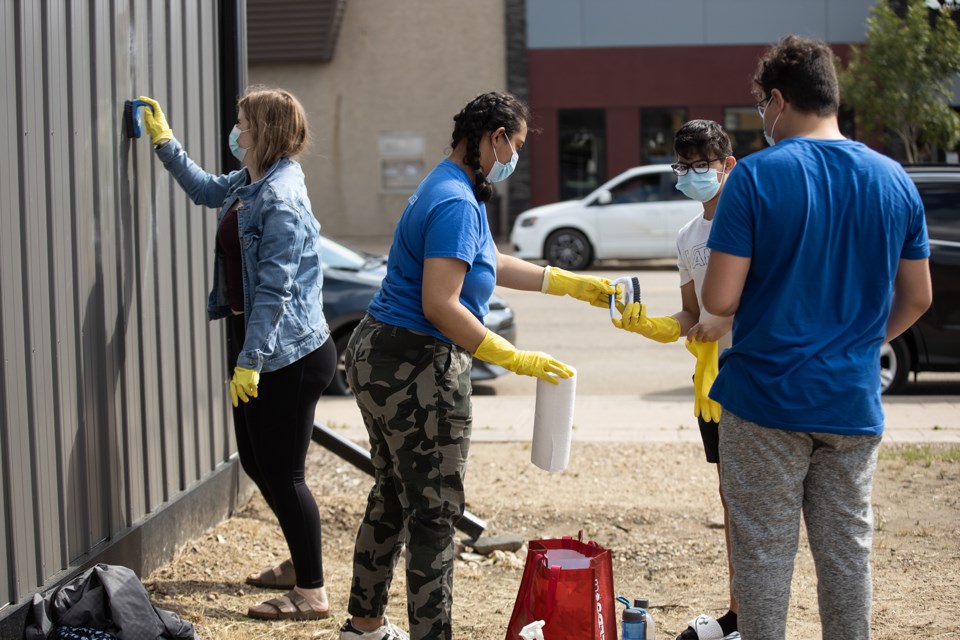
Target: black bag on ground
{"type": "Point", "coordinates": [106, 598]}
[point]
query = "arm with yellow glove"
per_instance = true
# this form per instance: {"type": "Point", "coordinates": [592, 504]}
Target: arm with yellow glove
{"type": "Point", "coordinates": [243, 385]}
{"type": "Point", "coordinates": [634, 318]}
{"type": "Point", "coordinates": [558, 282]}
{"type": "Point", "coordinates": [203, 188]}
{"type": "Point", "coordinates": [497, 350]}
{"type": "Point", "coordinates": [155, 122]}
{"type": "Point", "coordinates": [703, 377]}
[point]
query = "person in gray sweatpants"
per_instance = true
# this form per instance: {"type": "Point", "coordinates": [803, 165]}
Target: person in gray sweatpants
{"type": "Point", "coordinates": [819, 252]}
{"type": "Point", "coordinates": [776, 475]}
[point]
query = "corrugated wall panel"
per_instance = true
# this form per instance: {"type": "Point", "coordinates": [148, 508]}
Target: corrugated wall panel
{"type": "Point", "coordinates": [8, 191]}
{"type": "Point", "coordinates": [82, 478]}
{"type": "Point", "coordinates": [144, 425]}
{"type": "Point", "coordinates": [124, 223]}
{"type": "Point", "coordinates": [112, 395]}
{"type": "Point", "coordinates": [106, 180]}
{"type": "Point", "coordinates": [37, 277]}
{"type": "Point", "coordinates": [60, 250]}
{"type": "Point", "coordinates": [162, 186]}
{"type": "Point", "coordinates": [215, 418]}
{"type": "Point", "coordinates": [15, 421]}
{"type": "Point", "coordinates": [183, 37]}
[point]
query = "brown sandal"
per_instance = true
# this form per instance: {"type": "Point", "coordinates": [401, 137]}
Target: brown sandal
{"type": "Point", "coordinates": [292, 606]}
{"type": "Point", "coordinates": [269, 580]}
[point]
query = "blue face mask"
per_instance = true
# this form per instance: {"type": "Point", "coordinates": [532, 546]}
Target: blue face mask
{"type": "Point", "coordinates": [699, 186]}
{"type": "Point", "coordinates": [234, 141]}
{"type": "Point", "coordinates": [500, 171]}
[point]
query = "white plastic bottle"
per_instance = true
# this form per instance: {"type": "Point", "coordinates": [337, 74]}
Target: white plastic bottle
{"type": "Point", "coordinates": [644, 603]}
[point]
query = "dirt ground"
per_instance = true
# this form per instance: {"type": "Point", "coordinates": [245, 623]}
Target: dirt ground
{"type": "Point", "coordinates": [654, 506]}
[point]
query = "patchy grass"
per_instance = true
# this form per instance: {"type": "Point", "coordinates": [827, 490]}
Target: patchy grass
{"type": "Point", "coordinates": [925, 454]}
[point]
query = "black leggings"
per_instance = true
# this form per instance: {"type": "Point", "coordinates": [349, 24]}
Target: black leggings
{"type": "Point", "coordinates": [273, 434]}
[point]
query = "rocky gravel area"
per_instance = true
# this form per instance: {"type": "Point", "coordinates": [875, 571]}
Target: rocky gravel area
{"type": "Point", "coordinates": [655, 506]}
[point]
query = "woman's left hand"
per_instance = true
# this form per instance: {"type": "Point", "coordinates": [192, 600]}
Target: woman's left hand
{"type": "Point", "coordinates": [243, 386]}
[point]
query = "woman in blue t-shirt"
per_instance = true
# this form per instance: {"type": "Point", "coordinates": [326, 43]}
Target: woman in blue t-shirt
{"type": "Point", "coordinates": [408, 363]}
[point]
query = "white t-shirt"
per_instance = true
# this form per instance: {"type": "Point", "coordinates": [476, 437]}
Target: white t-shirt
{"type": "Point", "coordinates": [692, 258]}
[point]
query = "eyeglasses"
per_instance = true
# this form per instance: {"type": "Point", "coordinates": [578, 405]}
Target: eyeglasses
{"type": "Point", "coordinates": [700, 166]}
{"type": "Point", "coordinates": [762, 105]}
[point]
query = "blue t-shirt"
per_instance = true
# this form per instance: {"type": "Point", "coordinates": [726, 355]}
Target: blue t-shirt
{"type": "Point", "coordinates": [442, 220]}
{"type": "Point", "coordinates": [824, 223]}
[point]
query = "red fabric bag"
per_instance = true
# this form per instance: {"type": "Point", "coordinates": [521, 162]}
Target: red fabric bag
{"type": "Point", "coordinates": [568, 584]}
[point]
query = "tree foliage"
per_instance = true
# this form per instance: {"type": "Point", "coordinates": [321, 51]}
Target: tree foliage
{"type": "Point", "coordinates": [900, 82]}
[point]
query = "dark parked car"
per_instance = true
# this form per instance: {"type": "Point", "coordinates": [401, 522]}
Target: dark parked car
{"type": "Point", "coordinates": [351, 278]}
{"type": "Point", "coordinates": [933, 342]}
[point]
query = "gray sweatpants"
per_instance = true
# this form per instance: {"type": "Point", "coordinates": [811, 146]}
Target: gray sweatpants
{"type": "Point", "coordinates": [769, 477]}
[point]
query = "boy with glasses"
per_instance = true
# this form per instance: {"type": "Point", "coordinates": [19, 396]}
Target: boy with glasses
{"type": "Point", "coordinates": [704, 160]}
{"type": "Point", "coordinates": [820, 248]}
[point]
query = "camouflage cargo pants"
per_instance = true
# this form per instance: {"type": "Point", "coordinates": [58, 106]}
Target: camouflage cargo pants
{"type": "Point", "coordinates": [414, 394]}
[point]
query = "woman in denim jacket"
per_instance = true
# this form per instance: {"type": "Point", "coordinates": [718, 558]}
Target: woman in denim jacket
{"type": "Point", "coordinates": [267, 282]}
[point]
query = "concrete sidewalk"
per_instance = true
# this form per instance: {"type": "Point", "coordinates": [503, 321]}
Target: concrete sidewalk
{"type": "Point", "coordinates": [623, 418]}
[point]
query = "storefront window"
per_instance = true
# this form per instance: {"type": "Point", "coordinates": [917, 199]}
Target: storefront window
{"type": "Point", "coordinates": [657, 128]}
{"type": "Point", "coordinates": [582, 151]}
{"type": "Point", "coordinates": [745, 128]}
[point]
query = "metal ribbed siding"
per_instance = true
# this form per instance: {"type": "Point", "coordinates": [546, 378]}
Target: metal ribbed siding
{"type": "Point", "coordinates": [111, 379]}
{"type": "Point", "coordinates": [293, 30]}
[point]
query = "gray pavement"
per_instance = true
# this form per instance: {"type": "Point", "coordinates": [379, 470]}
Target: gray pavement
{"type": "Point", "coordinates": [630, 389]}
{"type": "Point", "coordinates": [623, 418]}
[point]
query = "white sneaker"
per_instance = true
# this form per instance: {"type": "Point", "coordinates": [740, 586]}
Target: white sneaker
{"type": "Point", "coordinates": [388, 631]}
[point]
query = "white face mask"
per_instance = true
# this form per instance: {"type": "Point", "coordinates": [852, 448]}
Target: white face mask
{"type": "Point", "coordinates": [769, 136]}
{"type": "Point", "coordinates": [234, 141]}
{"type": "Point", "coordinates": [500, 171]}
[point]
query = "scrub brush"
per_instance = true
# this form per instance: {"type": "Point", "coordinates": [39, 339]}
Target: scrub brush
{"type": "Point", "coordinates": [631, 293]}
{"type": "Point", "coordinates": [131, 117]}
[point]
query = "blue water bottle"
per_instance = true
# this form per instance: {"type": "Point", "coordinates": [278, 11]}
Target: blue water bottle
{"type": "Point", "coordinates": [634, 624]}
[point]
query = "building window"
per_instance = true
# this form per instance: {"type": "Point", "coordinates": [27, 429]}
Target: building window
{"type": "Point", "coordinates": [745, 128]}
{"type": "Point", "coordinates": [657, 128]}
{"type": "Point", "coordinates": [582, 151]}
{"type": "Point", "coordinates": [401, 161]}
{"type": "Point", "coordinates": [284, 31]}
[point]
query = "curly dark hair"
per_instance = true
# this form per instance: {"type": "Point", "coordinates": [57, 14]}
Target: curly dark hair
{"type": "Point", "coordinates": [702, 138]}
{"type": "Point", "coordinates": [487, 112]}
{"type": "Point", "coordinates": [804, 72]}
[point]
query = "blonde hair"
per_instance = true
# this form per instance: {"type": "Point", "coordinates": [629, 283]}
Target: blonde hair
{"type": "Point", "coordinates": [278, 124]}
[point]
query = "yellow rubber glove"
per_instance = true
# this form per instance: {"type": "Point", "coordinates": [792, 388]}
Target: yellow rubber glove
{"type": "Point", "coordinates": [703, 377]}
{"type": "Point", "coordinates": [244, 384]}
{"type": "Point", "coordinates": [634, 318]}
{"type": "Point", "coordinates": [497, 350]}
{"type": "Point", "coordinates": [156, 125]}
{"type": "Point", "coordinates": [590, 289]}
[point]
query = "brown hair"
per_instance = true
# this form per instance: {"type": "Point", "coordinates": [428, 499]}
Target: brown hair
{"type": "Point", "coordinates": [278, 124]}
{"type": "Point", "coordinates": [804, 72]}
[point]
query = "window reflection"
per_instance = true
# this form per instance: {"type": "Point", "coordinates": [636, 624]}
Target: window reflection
{"type": "Point", "coordinates": [657, 128]}
{"type": "Point", "coordinates": [745, 128]}
{"type": "Point", "coordinates": [582, 151]}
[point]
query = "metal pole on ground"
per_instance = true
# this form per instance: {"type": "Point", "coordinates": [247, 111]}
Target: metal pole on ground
{"type": "Point", "coordinates": [360, 458]}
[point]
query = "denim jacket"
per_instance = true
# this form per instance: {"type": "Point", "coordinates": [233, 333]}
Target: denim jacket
{"type": "Point", "coordinates": [280, 251]}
